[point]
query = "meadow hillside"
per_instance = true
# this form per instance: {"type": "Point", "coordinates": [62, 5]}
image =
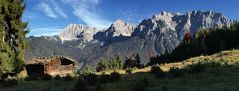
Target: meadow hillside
{"type": "Point", "coordinates": [217, 72]}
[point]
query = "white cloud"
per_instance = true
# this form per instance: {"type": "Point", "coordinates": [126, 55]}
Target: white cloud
{"type": "Point", "coordinates": [86, 11]}
{"type": "Point", "coordinates": [47, 10]}
{"type": "Point", "coordinates": [51, 9]}
{"type": "Point", "coordinates": [47, 31]}
{"type": "Point", "coordinates": [58, 10]}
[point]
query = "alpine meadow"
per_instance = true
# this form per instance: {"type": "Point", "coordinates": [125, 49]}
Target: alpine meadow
{"type": "Point", "coordinates": [119, 45]}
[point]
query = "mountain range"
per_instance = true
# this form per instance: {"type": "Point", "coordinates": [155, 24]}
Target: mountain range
{"type": "Point", "coordinates": [153, 36]}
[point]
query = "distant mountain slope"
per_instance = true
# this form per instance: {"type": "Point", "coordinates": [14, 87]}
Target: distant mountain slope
{"type": "Point", "coordinates": [152, 36]}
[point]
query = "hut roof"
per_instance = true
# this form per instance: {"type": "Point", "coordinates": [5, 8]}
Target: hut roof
{"type": "Point", "coordinates": [44, 60]}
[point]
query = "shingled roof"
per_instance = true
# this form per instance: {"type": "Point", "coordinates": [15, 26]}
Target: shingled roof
{"type": "Point", "coordinates": [44, 60]}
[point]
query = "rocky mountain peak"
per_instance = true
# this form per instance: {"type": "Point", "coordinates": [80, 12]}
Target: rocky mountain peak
{"type": "Point", "coordinates": [119, 22]}
{"type": "Point", "coordinates": [180, 23]}
{"type": "Point", "coordinates": [119, 27]}
{"type": "Point", "coordinates": [164, 15]}
{"type": "Point", "coordinates": [78, 31]}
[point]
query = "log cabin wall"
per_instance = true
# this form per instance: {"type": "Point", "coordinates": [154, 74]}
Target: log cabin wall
{"type": "Point", "coordinates": [53, 67]}
{"type": "Point", "coordinates": [67, 69]}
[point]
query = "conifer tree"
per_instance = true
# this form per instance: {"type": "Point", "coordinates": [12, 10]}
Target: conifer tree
{"type": "Point", "coordinates": [87, 69]}
{"type": "Point", "coordinates": [12, 36]}
{"type": "Point", "coordinates": [102, 65]}
{"type": "Point", "coordinates": [119, 62]}
{"type": "Point", "coordinates": [138, 63]}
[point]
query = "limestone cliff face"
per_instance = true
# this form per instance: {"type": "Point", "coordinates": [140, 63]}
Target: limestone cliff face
{"type": "Point", "coordinates": [77, 31]}
{"type": "Point", "coordinates": [167, 29]}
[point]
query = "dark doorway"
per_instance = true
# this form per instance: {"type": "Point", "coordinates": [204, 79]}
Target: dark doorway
{"type": "Point", "coordinates": [35, 71]}
{"type": "Point", "coordinates": [65, 61]}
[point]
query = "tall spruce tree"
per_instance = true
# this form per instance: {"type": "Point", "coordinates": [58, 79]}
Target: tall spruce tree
{"type": "Point", "coordinates": [138, 63]}
{"type": "Point", "coordinates": [12, 36]}
{"type": "Point", "coordinates": [119, 62]}
{"type": "Point", "coordinates": [102, 65]}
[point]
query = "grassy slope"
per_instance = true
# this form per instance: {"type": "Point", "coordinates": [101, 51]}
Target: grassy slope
{"type": "Point", "coordinates": [212, 79]}
{"type": "Point", "coordinates": [53, 85]}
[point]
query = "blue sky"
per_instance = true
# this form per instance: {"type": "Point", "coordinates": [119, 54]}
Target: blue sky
{"type": "Point", "coordinates": [49, 17]}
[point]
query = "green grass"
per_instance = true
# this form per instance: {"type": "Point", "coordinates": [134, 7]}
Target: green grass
{"type": "Point", "coordinates": [213, 79]}
{"type": "Point", "coordinates": [52, 85]}
{"type": "Point", "coordinates": [223, 78]}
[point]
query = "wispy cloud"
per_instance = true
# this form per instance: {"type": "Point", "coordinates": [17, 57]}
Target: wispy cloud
{"type": "Point", "coordinates": [58, 10]}
{"type": "Point", "coordinates": [47, 10]}
{"type": "Point", "coordinates": [47, 31]}
{"type": "Point", "coordinates": [51, 9]}
{"type": "Point", "coordinates": [29, 15]}
{"type": "Point", "coordinates": [86, 11]}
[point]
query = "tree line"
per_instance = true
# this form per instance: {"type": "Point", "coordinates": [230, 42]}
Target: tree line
{"type": "Point", "coordinates": [203, 42]}
{"type": "Point", "coordinates": [109, 64]}
{"type": "Point", "coordinates": [115, 63]}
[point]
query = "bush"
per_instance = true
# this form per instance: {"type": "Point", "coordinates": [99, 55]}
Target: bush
{"type": "Point", "coordinates": [57, 77]}
{"type": "Point", "coordinates": [105, 78]}
{"type": "Point", "coordinates": [129, 71]}
{"type": "Point", "coordinates": [47, 77]}
{"type": "Point", "coordinates": [201, 66]}
{"type": "Point", "coordinates": [31, 78]}
{"type": "Point", "coordinates": [158, 71]}
{"type": "Point", "coordinates": [68, 77]}
{"type": "Point", "coordinates": [91, 79]}
{"type": "Point", "coordinates": [81, 85]}
{"type": "Point", "coordinates": [196, 68]}
{"type": "Point", "coordinates": [22, 75]}
{"type": "Point", "coordinates": [110, 78]}
{"type": "Point", "coordinates": [115, 76]}
{"type": "Point", "coordinates": [176, 72]}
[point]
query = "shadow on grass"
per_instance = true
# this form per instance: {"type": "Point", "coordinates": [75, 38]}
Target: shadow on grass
{"type": "Point", "coordinates": [201, 76]}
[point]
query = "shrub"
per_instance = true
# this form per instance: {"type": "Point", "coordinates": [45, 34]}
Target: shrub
{"type": "Point", "coordinates": [115, 76]}
{"type": "Point", "coordinates": [196, 68]}
{"type": "Point", "coordinates": [57, 77]}
{"type": "Point", "coordinates": [158, 71]}
{"type": "Point", "coordinates": [81, 85]}
{"type": "Point", "coordinates": [105, 78]}
{"type": "Point", "coordinates": [22, 75]}
{"type": "Point", "coordinates": [176, 72]}
{"type": "Point", "coordinates": [47, 77]}
{"type": "Point", "coordinates": [68, 77]}
{"type": "Point", "coordinates": [31, 78]}
{"type": "Point", "coordinates": [110, 78]}
{"type": "Point", "coordinates": [87, 69]}
{"type": "Point", "coordinates": [129, 71]}
{"type": "Point", "coordinates": [201, 66]}
{"type": "Point", "coordinates": [91, 79]}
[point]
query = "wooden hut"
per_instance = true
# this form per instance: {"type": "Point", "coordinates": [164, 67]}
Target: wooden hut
{"type": "Point", "coordinates": [50, 65]}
